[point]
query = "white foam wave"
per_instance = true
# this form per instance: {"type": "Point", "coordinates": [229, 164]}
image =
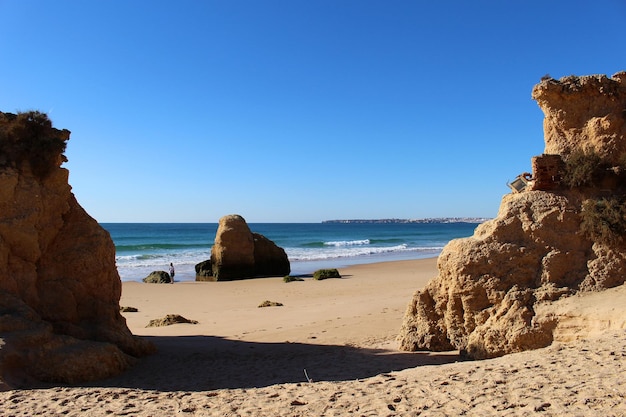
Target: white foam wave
{"type": "Point", "coordinates": [159, 260]}
{"type": "Point", "coordinates": [305, 254]}
{"type": "Point", "coordinates": [348, 242]}
{"type": "Point", "coordinates": [135, 267]}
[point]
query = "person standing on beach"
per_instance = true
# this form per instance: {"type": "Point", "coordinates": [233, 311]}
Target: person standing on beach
{"type": "Point", "coordinates": [172, 273]}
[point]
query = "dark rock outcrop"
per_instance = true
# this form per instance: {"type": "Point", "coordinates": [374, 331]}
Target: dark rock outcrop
{"type": "Point", "coordinates": [59, 286]}
{"type": "Point", "coordinates": [489, 287]}
{"type": "Point", "coordinates": [170, 319]}
{"type": "Point", "coordinates": [269, 259]}
{"type": "Point", "coordinates": [239, 254]}
{"type": "Point", "coordinates": [322, 274]}
{"type": "Point", "coordinates": [204, 271]}
{"type": "Point", "coordinates": [158, 277]}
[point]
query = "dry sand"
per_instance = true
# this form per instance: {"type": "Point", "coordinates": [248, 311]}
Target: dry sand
{"type": "Point", "coordinates": [330, 350]}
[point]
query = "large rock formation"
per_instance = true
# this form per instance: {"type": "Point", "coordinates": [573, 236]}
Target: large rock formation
{"type": "Point", "coordinates": [59, 286]}
{"type": "Point", "coordinates": [239, 254]}
{"type": "Point", "coordinates": [543, 245]}
{"type": "Point", "coordinates": [232, 254]}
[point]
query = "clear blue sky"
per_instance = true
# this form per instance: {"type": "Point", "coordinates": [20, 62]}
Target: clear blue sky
{"type": "Point", "coordinates": [297, 111]}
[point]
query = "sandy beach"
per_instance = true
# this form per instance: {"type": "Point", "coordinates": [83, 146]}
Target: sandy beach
{"type": "Point", "coordinates": [330, 350]}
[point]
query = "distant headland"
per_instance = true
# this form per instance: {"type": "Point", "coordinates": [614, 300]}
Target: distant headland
{"type": "Point", "coordinates": [428, 220]}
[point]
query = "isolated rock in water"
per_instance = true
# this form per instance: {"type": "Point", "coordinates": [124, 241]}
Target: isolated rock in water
{"type": "Point", "coordinates": [269, 259]}
{"type": "Point", "coordinates": [232, 255]}
{"type": "Point", "coordinates": [158, 277]}
{"type": "Point", "coordinates": [59, 286]}
{"type": "Point", "coordinates": [239, 254]}
{"type": "Point", "coordinates": [490, 285]}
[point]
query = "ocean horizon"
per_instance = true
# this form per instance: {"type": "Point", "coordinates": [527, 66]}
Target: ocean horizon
{"type": "Point", "coordinates": [142, 248]}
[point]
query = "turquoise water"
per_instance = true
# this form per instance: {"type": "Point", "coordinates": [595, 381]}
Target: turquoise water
{"type": "Point", "coordinates": [145, 247]}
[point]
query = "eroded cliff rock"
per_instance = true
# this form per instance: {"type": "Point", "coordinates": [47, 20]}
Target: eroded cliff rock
{"type": "Point", "coordinates": [584, 113]}
{"type": "Point", "coordinates": [59, 286]}
{"type": "Point", "coordinates": [489, 286]}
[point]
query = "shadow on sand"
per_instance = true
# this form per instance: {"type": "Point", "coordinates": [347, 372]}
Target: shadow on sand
{"type": "Point", "coordinates": [203, 363]}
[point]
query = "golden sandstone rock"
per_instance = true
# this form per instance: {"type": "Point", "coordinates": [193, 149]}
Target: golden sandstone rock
{"type": "Point", "coordinates": [238, 253]}
{"type": "Point", "coordinates": [59, 286]}
{"type": "Point", "coordinates": [485, 297]}
{"type": "Point", "coordinates": [232, 255]}
{"type": "Point", "coordinates": [584, 112]}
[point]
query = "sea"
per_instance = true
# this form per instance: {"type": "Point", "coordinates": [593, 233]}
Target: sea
{"type": "Point", "coordinates": [142, 248]}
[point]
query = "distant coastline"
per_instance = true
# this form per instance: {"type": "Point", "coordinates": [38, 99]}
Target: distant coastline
{"type": "Point", "coordinates": [428, 220]}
